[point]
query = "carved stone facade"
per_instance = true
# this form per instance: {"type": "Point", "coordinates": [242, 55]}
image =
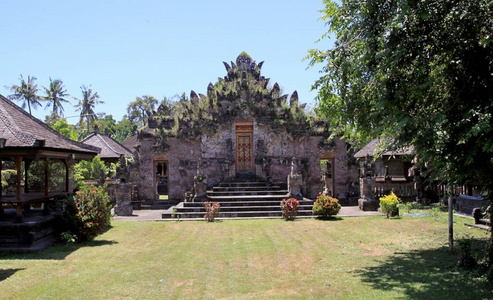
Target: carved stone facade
{"type": "Point", "coordinates": [240, 127]}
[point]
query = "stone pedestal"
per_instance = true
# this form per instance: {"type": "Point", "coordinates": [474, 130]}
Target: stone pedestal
{"type": "Point", "coordinates": [123, 205]}
{"type": "Point", "coordinates": [294, 185]}
{"type": "Point", "coordinates": [200, 190]}
{"type": "Point", "coordinates": [367, 200]}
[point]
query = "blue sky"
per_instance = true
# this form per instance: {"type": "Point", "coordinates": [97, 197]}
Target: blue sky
{"type": "Point", "coordinates": [125, 49]}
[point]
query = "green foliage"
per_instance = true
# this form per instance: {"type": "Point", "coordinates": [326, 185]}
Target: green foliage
{"type": "Point", "coordinates": [289, 208]}
{"type": "Point", "coordinates": [211, 210]}
{"type": "Point", "coordinates": [419, 72]}
{"type": "Point", "coordinates": [68, 237]}
{"type": "Point", "coordinates": [140, 110]}
{"type": "Point", "coordinates": [55, 97]}
{"type": "Point", "coordinates": [86, 106]}
{"type": "Point", "coordinates": [27, 92]}
{"type": "Point", "coordinates": [7, 177]}
{"type": "Point", "coordinates": [326, 206]}
{"type": "Point", "coordinates": [67, 130]}
{"type": "Point", "coordinates": [91, 170]}
{"type": "Point", "coordinates": [388, 204]}
{"type": "Point", "coordinates": [409, 206]}
{"type": "Point", "coordinates": [88, 214]}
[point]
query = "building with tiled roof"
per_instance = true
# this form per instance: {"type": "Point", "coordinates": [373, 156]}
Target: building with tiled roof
{"type": "Point", "coordinates": [24, 135]}
{"type": "Point", "coordinates": [372, 148]}
{"type": "Point", "coordinates": [111, 150]}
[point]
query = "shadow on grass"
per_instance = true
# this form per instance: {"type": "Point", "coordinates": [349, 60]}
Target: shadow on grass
{"type": "Point", "coordinates": [6, 273]}
{"type": "Point", "coordinates": [330, 219]}
{"type": "Point", "coordinates": [427, 274]}
{"type": "Point", "coordinates": [58, 251]}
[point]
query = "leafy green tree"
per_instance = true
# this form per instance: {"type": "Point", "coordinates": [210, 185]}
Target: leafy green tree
{"type": "Point", "coordinates": [419, 72]}
{"type": "Point", "coordinates": [64, 128]}
{"type": "Point", "coordinates": [140, 110]}
{"type": "Point", "coordinates": [55, 96]}
{"type": "Point", "coordinates": [86, 106]}
{"type": "Point", "coordinates": [27, 92]}
{"type": "Point", "coordinates": [124, 129]}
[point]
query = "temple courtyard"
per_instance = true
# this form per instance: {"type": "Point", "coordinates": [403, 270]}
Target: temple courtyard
{"type": "Point", "coordinates": [369, 257]}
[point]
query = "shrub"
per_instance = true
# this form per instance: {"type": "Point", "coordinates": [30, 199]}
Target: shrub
{"type": "Point", "coordinates": [89, 212]}
{"type": "Point", "coordinates": [211, 210]}
{"type": "Point", "coordinates": [326, 206]}
{"type": "Point", "coordinates": [289, 208]}
{"type": "Point", "coordinates": [388, 204]}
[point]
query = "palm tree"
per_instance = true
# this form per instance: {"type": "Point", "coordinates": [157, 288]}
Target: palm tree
{"type": "Point", "coordinates": [55, 94]}
{"type": "Point", "coordinates": [26, 92]}
{"type": "Point", "coordinates": [86, 106]}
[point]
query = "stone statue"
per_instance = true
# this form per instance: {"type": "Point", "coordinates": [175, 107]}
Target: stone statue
{"type": "Point", "coordinates": [295, 180]}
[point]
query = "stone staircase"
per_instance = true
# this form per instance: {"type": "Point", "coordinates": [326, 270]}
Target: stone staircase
{"type": "Point", "coordinates": [242, 198]}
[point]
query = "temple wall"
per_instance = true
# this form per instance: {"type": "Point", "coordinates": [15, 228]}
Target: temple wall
{"type": "Point", "coordinates": [273, 149]}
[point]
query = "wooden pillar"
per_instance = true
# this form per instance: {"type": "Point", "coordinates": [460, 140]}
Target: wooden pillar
{"type": "Point", "coordinates": [18, 163]}
{"type": "Point", "coordinates": [0, 175]}
{"type": "Point", "coordinates": [67, 175]}
{"type": "Point", "coordinates": [47, 177]}
{"type": "Point", "coordinates": [27, 164]}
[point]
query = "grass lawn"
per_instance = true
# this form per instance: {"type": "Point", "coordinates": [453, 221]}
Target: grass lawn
{"type": "Point", "coordinates": [350, 258]}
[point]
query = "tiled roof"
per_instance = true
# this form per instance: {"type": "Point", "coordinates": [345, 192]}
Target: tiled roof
{"type": "Point", "coordinates": [131, 143]}
{"type": "Point", "coordinates": [372, 147]}
{"type": "Point", "coordinates": [109, 147]}
{"type": "Point", "coordinates": [21, 130]}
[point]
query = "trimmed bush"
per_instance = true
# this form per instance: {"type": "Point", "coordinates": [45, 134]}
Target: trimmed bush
{"type": "Point", "coordinates": [388, 205]}
{"type": "Point", "coordinates": [326, 206]}
{"type": "Point", "coordinates": [88, 214]}
{"type": "Point", "coordinates": [289, 208]}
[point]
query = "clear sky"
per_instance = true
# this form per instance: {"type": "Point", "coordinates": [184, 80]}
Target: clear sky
{"type": "Point", "coordinates": [125, 49]}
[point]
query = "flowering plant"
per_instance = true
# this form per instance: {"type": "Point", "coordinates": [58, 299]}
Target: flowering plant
{"type": "Point", "coordinates": [326, 206]}
{"type": "Point", "coordinates": [211, 210]}
{"type": "Point", "coordinates": [289, 208]}
{"type": "Point", "coordinates": [89, 212]}
{"type": "Point", "coordinates": [388, 204]}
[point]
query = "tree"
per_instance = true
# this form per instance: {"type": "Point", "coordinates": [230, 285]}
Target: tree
{"type": "Point", "coordinates": [124, 129]}
{"type": "Point", "coordinates": [26, 92]}
{"type": "Point", "coordinates": [141, 109]}
{"type": "Point", "coordinates": [55, 96]}
{"type": "Point", "coordinates": [86, 106]}
{"type": "Point", "coordinates": [67, 130]}
{"type": "Point", "coordinates": [419, 72]}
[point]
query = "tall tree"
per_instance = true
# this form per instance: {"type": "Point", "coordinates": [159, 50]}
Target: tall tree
{"type": "Point", "coordinates": [86, 106]}
{"type": "Point", "coordinates": [26, 92]}
{"type": "Point", "coordinates": [55, 96]}
{"type": "Point", "coordinates": [420, 72]}
{"type": "Point", "coordinates": [139, 110]}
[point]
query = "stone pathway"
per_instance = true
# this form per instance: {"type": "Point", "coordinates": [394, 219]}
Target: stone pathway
{"type": "Point", "coordinates": [155, 214]}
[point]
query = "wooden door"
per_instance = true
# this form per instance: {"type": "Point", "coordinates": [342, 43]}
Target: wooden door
{"type": "Point", "coordinates": [244, 148]}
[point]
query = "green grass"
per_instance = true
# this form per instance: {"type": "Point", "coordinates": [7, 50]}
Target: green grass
{"type": "Point", "coordinates": [350, 258]}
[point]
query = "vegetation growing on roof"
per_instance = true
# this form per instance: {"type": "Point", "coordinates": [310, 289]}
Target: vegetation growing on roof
{"type": "Point", "coordinates": [242, 92]}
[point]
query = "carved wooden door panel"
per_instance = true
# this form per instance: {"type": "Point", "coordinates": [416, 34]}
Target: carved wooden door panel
{"type": "Point", "coordinates": [244, 148]}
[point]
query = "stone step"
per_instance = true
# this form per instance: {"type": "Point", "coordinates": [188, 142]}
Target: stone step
{"type": "Point", "coordinates": [243, 184]}
{"type": "Point", "coordinates": [236, 214]}
{"type": "Point", "coordinates": [247, 193]}
{"type": "Point", "coordinates": [244, 203]}
{"type": "Point", "coordinates": [242, 208]}
{"type": "Point", "coordinates": [247, 198]}
{"type": "Point", "coordinates": [246, 188]}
